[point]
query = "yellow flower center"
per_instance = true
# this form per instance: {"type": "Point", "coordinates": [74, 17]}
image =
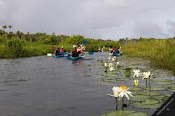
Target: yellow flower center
{"type": "Point", "coordinates": [123, 87]}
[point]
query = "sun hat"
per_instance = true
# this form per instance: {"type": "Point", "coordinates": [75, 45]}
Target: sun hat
{"type": "Point", "coordinates": [74, 46]}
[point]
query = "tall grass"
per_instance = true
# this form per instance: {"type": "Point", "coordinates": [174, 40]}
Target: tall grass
{"type": "Point", "coordinates": [160, 52]}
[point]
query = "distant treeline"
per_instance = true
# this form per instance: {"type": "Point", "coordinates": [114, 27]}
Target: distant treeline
{"type": "Point", "coordinates": [19, 44]}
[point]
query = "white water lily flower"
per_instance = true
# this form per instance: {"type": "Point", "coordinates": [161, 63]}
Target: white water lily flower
{"type": "Point", "coordinates": [124, 92]}
{"type": "Point", "coordinates": [115, 90]}
{"type": "Point", "coordinates": [105, 64]}
{"type": "Point", "coordinates": [113, 59]}
{"type": "Point", "coordinates": [136, 73]}
{"type": "Point", "coordinates": [111, 68]}
{"type": "Point", "coordinates": [147, 75]}
{"type": "Point", "coordinates": [111, 64]}
{"type": "Point", "coordinates": [117, 63]}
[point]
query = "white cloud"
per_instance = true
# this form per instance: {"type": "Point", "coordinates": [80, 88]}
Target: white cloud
{"type": "Point", "coordinates": [92, 18]}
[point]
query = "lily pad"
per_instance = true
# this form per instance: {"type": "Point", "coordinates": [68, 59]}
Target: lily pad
{"type": "Point", "coordinates": [164, 82]}
{"type": "Point", "coordinates": [162, 98]}
{"type": "Point", "coordinates": [135, 89]}
{"type": "Point", "coordinates": [150, 102]}
{"type": "Point", "coordinates": [127, 73]}
{"type": "Point", "coordinates": [156, 89]}
{"type": "Point", "coordinates": [146, 106]}
{"type": "Point", "coordinates": [139, 98]}
{"type": "Point", "coordinates": [101, 76]}
{"type": "Point", "coordinates": [125, 113]}
{"type": "Point", "coordinates": [150, 93]}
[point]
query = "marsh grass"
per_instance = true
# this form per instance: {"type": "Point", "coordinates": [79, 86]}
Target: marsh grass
{"type": "Point", "coordinates": [160, 52]}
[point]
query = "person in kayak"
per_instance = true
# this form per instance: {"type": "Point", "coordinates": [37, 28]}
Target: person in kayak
{"type": "Point", "coordinates": [99, 49]}
{"type": "Point", "coordinates": [115, 50]}
{"type": "Point", "coordinates": [110, 49]}
{"type": "Point", "coordinates": [62, 49]}
{"type": "Point", "coordinates": [80, 49]}
{"type": "Point", "coordinates": [74, 51]}
{"type": "Point", "coordinates": [57, 52]}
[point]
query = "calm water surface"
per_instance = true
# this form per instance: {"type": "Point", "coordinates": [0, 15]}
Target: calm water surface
{"type": "Point", "coordinates": [46, 86]}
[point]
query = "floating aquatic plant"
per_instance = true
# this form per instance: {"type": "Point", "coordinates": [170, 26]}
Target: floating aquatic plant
{"type": "Point", "coordinates": [120, 92]}
{"type": "Point", "coordinates": [147, 76]}
{"type": "Point", "coordinates": [125, 113]}
{"type": "Point", "coordinates": [136, 82]}
{"type": "Point", "coordinates": [136, 73]}
{"type": "Point", "coordinates": [124, 93]}
{"type": "Point", "coordinates": [148, 104]}
{"type": "Point", "coordinates": [111, 69]}
{"type": "Point", "coordinates": [116, 91]}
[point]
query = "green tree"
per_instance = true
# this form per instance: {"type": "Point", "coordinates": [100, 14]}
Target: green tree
{"type": "Point", "coordinates": [4, 27]}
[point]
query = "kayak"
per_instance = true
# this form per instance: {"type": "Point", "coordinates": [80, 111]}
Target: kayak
{"type": "Point", "coordinates": [69, 57]}
{"type": "Point", "coordinates": [64, 54]}
{"type": "Point", "coordinates": [91, 53]}
{"type": "Point", "coordinates": [117, 54]}
{"type": "Point", "coordinates": [57, 56]}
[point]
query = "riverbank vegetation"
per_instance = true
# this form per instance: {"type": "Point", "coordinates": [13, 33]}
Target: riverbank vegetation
{"type": "Point", "coordinates": [19, 44]}
{"type": "Point", "coordinates": [161, 52]}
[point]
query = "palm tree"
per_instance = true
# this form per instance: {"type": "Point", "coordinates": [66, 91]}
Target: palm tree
{"type": "Point", "coordinates": [10, 26]}
{"type": "Point", "coordinates": [4, 27]}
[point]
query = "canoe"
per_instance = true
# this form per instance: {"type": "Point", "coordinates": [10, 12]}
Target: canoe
{"type": "Point", "coordinates": [69, 57]}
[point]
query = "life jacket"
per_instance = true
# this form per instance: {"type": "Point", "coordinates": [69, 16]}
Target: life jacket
{"type": "Point", "coordinates": [74, 53]}
{"type": "Point", "coordinates": [62, 50]}
{"type": "Point", "coordinates": [57, 52]}
{"type": "Point", "coordinates": [115, 50]}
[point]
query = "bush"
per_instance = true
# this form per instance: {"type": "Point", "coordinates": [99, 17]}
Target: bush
{"type": "Point", "coordinates": [16, 47]}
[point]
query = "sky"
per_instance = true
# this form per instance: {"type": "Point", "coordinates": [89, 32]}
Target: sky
{"type": "Point", "coordinates": [105, 19]}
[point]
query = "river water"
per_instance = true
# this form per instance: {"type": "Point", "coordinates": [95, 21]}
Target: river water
{"type": "Point", "coordinates": [46, 86]}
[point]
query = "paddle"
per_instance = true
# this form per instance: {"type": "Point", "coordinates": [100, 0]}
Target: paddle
{"type": "Point", "coordinates": [85, 42]}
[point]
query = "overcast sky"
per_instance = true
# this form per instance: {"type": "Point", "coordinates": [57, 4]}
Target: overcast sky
{"type": "Point", "coordinates": [106, 19]}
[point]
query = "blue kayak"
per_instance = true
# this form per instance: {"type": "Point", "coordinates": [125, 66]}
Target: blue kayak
{"type": "Point", "coordinates": [57, 56]}
{"type": "Point", "coordinates": [69, 57]}
{"type": "Point", "coordinates": [91, 53]}
{"type": "Point", "coordinates": [117, 54]}
{"type": "Point", "coordinates": [61, 55]}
